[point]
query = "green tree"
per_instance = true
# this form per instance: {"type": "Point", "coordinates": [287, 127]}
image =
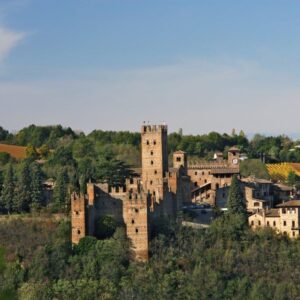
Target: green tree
{"type": "Point", "coordinates": [8, 191]}
{"type": "Point", "coordinates": [292, 178]}
{"type": "Point", "coordinates": [36, 187]}
{"type": "Point", "coordinates": [22, 199]}
{"type": "Point", "coordinates": [60, 193]}
{"type": "Point", "coordinates": [236, 202]}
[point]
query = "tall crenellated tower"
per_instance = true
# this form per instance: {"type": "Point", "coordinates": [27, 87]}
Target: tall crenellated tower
{"type": "Point", "coordinates": [79, 217]}
{"type": "Point", "coordinates": [136, 218]}
{"type": "Point", "coordinates": [154, 157]}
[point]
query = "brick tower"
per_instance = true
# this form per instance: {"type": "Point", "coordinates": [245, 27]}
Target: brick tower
{"type": "Point", "coordinates": [154, 157]}
{"type": "Point", "coordinates": [79, 217]}
{"type": "Point", "coordinates": [136, 218]}
{"type": "Point", "coordinates": [180, 160]}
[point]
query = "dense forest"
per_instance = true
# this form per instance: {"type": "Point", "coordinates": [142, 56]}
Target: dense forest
{"type": "Point", "coordinates": [226, 261]}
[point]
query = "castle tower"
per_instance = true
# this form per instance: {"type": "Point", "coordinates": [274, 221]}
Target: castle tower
{"type": "Point", "coordinates": [78, 215]}
{"type": "Point", "coordinates": [180, 160]}
{"type": "Point", "coordinates": [154, 156]}
{"type": "Point", "coordinates": [136, 214]}
{"type": "Point", "coordinates": [234, 157]}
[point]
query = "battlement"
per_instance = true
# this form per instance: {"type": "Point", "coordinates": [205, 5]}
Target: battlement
{"type": "Point", "coordinates": [154, 129]}
{"type": "Point", "coordinates": [118, 190]}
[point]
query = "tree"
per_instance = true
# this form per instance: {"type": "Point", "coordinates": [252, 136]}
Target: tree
{"type": "Point", "coordinates": [8, 191]}
{"type": "Point", "coordinates": [292, 178]}
{"type": "Point", "coordinates": [60, 193]}
{"type": "Point", "coordinates": [236, 203]}
{"type": "Point", "coordinates": [36, 187]}
{"type": "Point", "coordinates": [22, 199]}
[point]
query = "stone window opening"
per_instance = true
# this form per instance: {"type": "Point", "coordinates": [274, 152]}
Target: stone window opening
{"type": "Point", "coordinates": [284, 223]}
{"type": "Point", "coordinates": [151, 152]}
{"type": "Point", "coordinates": [151, 182]}
{"type": "Point", "coordinates": [78, 231]}
{"type": "Point", "coordinates": [154, 142]}
{"type": "Point", "coordinates": [77, 213]}
{"type": "Point", "coordinates": [147, 142]}
{"type": "Point", "coordinates": [178, 159]}
{"type": "Point", "coordinates": [132, 221]}
{"type": "Point", "coordinates": [293, 224]}
{"type": "Point", "coordinates": [252, 223]}
{"type": "Point", "coordinates": [196, 173]}
{"type": "Point", "coordinates": [136, 210]}
{"type": "Point", "coordinates": [259, 223]}
{"type": "Point", "coordinates": [155, 172]}
{"type": "Point", "coordinates": [136, 230]}
{"type": "Point", "coordinates": [274, 223]}
{"type": "Point", "coordinates": [152, 162]}
{"type": "Point", "coordinates": [268, 223]}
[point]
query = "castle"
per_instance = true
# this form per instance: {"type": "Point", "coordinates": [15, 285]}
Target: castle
{"type": "Point", "coordinates": [159, 191]}
{"type": "Point", "coordinates": [211, 180]}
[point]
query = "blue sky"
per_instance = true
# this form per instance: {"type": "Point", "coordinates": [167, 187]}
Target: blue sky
{"type": "Point", "coordinates": [108, 64]}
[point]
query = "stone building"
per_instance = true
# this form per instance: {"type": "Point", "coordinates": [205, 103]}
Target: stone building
{"type": "Point", "coordinates": [211, 179]}
{"type": "Point", "coordinates": [160, 191]}
{"type": "Point", "coordinates": [284, 219]}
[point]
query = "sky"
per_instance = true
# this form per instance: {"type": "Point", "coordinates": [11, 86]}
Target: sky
{"type": "Point", "coordinates": [198, 65]}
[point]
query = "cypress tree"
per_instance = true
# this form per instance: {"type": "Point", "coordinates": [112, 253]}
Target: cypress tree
{"type": "Point", "coordinates": [60, 193]}
{"type": "Point", "coordinates": [8, 191]}
{"type": "Point", "coordinates": [22, 198]}
{"type": "Point", "coordinates": [36, 187]}
{"type": "Point", "coordinates": [236, 203]}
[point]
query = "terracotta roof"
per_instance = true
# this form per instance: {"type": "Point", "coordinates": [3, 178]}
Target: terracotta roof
{"type": "Point", "coordinates": [283, 187]}
{"type": "Point", "coordinates": [273, 212]}
{"type": "Point", "coordinates": [226, 171]}
{"type": "Point", "coordinates": [179, 152]}
{"type": "Point", "coordinates": [256, 180]}
{"type": "Point", "coordinates": [291, 203]}
{"type": "Point", "coordinates": [234, 149]}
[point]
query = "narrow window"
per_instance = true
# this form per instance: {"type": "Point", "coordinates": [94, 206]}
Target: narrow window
{"type": "Point", "coordinates": [136, 210]}
{"type": "Point", "coordinates": [294, 233]}
{"type": "Point", "coordinates": [274, 223]}
{"type": "Point", "coordinates": [151, 182]}
{"type": "Point", "coordinates": [178, 159]}
{"type": "Point", "coordinates": [132, 221]}
{"type": "Point", "coordinates": [78, 231]}
{"type": "Point", "coordinates": [268, 223]}
{"type": "Point", "coordinates": [252, 223]}
{"type": "Point", "coordinates": [147, 142]}
{"type": "Point", "coordinates": [196, 173]}
{"type": "Point", "coordinates": [293, 224]}
{"type": "Point", "coordinates": [151, 152]}
{"type": "Point", "coordinates": [284, 223]}
{"type": "Point", "coordinates": [154, 142]}
{"type": "Point", "coordinates": [151, 162]}
{"type": "Point", "coordinates": [259, 223]}
{"type": "Point", "coordinates": [136, 230]}
{"type": "Point", "coordinates": [155, 172]}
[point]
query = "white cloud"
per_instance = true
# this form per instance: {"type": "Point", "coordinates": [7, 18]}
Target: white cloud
{"type": "Point", "coordinates": [8, 40]}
